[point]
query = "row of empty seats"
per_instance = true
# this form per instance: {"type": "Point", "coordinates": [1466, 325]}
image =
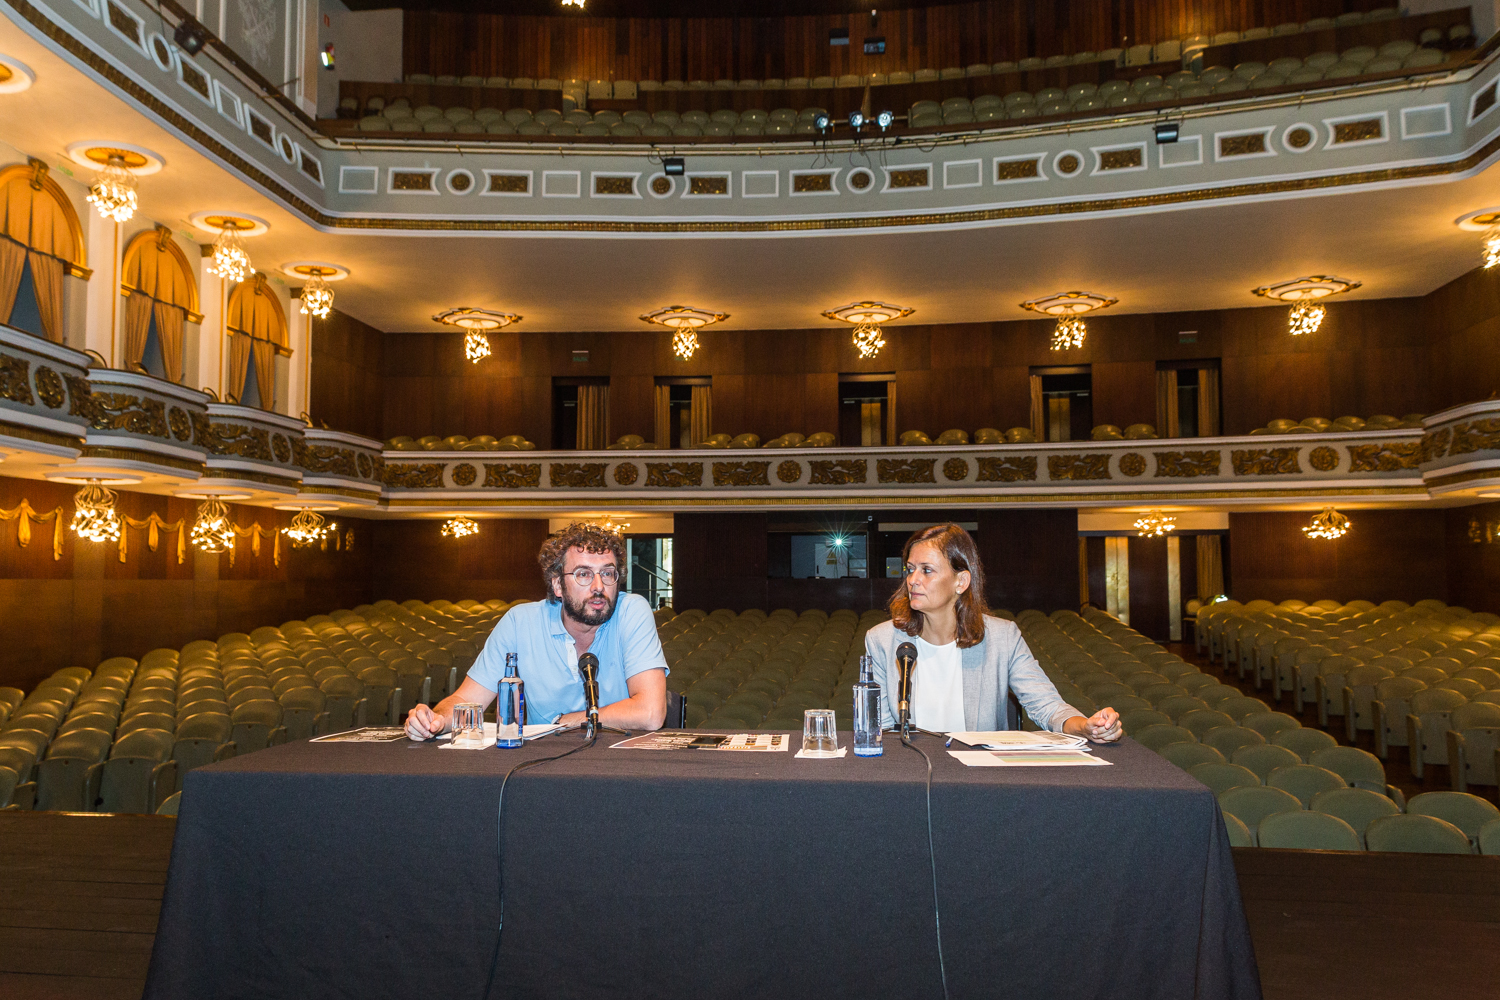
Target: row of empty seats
{"type": "Point", "coordinates": [120, 737]}
{"type": "Point", "coordinates": [1425, 677]}
{"type": "Point", "coordinates": [400, 116]}
{"type": "Point", "coordinates": [1322, 425]}
{"type": "Point", "coordinates": [457, 442]}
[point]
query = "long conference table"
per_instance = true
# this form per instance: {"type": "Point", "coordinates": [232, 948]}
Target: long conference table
{"type": "Point", "coordinates": [365, 870]}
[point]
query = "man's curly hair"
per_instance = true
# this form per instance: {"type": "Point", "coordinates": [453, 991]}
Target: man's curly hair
{"type": "Point", "coordinates": [586, 536]}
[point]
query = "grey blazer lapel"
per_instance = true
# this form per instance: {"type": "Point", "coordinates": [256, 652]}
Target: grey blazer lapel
{"type": "Point", "coordinates": [972, 661]}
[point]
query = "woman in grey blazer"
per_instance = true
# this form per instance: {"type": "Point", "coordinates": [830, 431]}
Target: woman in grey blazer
{"type": "Point", "coordinates": [967, 660]}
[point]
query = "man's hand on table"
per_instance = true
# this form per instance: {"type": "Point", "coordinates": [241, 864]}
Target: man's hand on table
{"type": "Point", "coordinates": [422, 723]}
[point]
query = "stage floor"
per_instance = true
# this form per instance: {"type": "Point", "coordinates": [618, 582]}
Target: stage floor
{"type": "Point", "coordinates": [80, 895]}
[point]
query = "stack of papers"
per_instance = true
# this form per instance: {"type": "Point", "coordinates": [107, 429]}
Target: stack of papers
{"type": "Point", "coordinates": [1021, 740]}
{"type": "Point", "coordinates": [531, 733]}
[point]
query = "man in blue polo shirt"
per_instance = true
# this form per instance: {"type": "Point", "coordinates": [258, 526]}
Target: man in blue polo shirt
{"type": "Point", "coordinates": [584, 613]}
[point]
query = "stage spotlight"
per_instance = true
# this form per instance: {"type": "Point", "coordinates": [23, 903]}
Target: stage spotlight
{"type": "Point", "coordinates": [856, 120]}
{"type": "Point", "coordinates": [822, 123]}
{"type": "Point", "coordinates": [191, 36]}
{"type": "Point", "coordinates": [674, 166]}
{"type": "Point", "coordinates": [885, 119]}
{"type": "Point", "coordinates": [1166, 133]}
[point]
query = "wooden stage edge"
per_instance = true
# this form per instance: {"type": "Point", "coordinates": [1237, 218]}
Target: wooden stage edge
{"type": "Point", "coordinates": [82, 892]}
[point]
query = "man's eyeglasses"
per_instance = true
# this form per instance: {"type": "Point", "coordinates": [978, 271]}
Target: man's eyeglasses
{"type": "Point", "coordinates": [583, 576]}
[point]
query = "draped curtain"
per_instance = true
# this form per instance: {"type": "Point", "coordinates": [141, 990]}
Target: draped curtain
{"type": "Point", "coordinates": [169, 325]}
{"type": "Point", "coordinates": [12, 265]}
{"type": "Point", "coordinates": [593, 417]}
{"type": "Point", "coordinates": [157, 281]}
{"type": "Point", "coordinates": [1208, 402]}
{"type": "Point", "coordinates": [1038, 409]}
{"type": "Point", "coordinates": [1210, 567]}
{"type": "Point", "coordinates": [264, 355]}
{"type": "Point", "coordinates": [700, 419]}
{"type": "Point", "coordinates": [239, 362]}
{"type": "Point", "coordinates": [137, 329]}
{"type": "Point", "coordinates": [1167, 424]}
{"type": "Point", "coordinates": [257, 327]}
{"type": "Point", "coordinates": [663, 416]}
{"type": "Point", "coordinates": [35, 215]}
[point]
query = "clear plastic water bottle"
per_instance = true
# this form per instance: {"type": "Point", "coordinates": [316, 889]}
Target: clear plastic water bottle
{"type": "Point", "coordinates": [510, 706]}
{"type": "Point", "coordinates": [867, 711]}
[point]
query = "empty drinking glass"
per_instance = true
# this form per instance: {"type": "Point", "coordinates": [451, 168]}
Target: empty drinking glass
{"type": "Point", "coordinates": [819, 736]}
{"type": "Point", "coordinates": [468, 724]}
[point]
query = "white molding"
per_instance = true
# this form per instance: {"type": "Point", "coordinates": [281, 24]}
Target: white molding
{"type": "Point", "coordinates": [348, 173]}
{"type": "Point", "coordinates": [978, 181]}
{"type": "Point", "coordinates": [1447, 129]}
{"type": "Point", "coordinates": [1183, 141]}
{"type": "Point", "coordinates": [555, 183]}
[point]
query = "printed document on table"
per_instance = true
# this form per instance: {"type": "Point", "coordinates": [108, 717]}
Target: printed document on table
{"type": "Point", "coordinates": [531, 733]}
{"type": "Point", "coordinates": [1021, 739]}
{"type": "Point", "coordinates": [1027, 758]}
{"type": "Point", "coordinates": [370, 734]}
{"type": "Point", "coordinates": [673, 740]}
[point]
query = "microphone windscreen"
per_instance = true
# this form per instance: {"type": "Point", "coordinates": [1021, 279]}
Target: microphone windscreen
{"type": "Point", "coordinates": [588, 660]}
{"type": "Point", "coordinates": [906, 651]}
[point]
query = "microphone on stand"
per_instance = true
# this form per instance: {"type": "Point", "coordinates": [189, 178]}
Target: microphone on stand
{"type": "Point", "coordinates": [588, 667]}
{"type": "Point", "coordinates": [906, 662]}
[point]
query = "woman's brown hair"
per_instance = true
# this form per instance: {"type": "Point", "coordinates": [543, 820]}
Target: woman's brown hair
{"type": "Point", "coordinates": [958, 547]}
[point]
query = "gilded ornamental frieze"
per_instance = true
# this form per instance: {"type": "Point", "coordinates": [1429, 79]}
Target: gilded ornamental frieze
{"type": "Point", "coordinates": [1324, 459]}
{"type": "Point", "coordinates": [464, 474]}
{"type": "Point", "coordinates": [15, 379]}
{"type": "Point", "coordinates": [1265, 462]}
{"type": "Point", "coordinates": [1007, 468]}
{"type": "Point", "coordinates": [122, 411]}
{"type": "Point", "coordinates": [626, 473]}
{"type": "Point", "coordinates": [415, 476]}
{"type": "Point", "coordinates": [1475, 435]}
{"type": "Point", "coordinates": [1077, 467]}
{"type": "Point", "coordinates": [955, 469]}
{"type": "Point", "coordinates": [49, 388]}
{"type": "Point", "coordinates": [325, 458]}
{"type": "Point", "coordinates": [1133, 464]}
{"type": "Point", "coordinates": [1385, 457]}
{"type": "Point", "coordinates": [674, 474]}
{"type": "Point", "coordinates": [838, 472]}
{"type": "Point", "coordinates": [578, 475]}
{"type": "Point", "coordinates": [240, 440]}
{"type": "Point", "coordinates": [512, 475]}
{"type": "Point", "coordinates": [1186, 464]}
{"type": "Point", "coordinates": [905, 470]}
{"type": "Point", "coordinates": [742, 473]}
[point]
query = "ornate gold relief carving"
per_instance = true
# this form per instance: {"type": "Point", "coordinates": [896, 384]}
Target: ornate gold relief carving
{"type": "Point", "coordinates": [1078, 467]}
{"type": "Point", "coordinates": [80, 397]}
{"type": "Point", "coordinates": [1265, 462]}
{"type": "Point", "coordinates": [415, 475]}
{"type": "Point", "coordinates": [812, 183]}
{"type": "Point", "coordinates": [576, 474]}
{"type": "Point", "coordinates": [1132, 464]}
{"type": "Point", "coordinates": [914, 177]}
{"type": "Point", "coordinates": [321, 458]}
{"type": "Point", "coordinates": [411, 180]}
{"type": "Point", "coordinates": [180, 423]}
{"type": "Point", "coordinates": [1388, 456]}
{"type": "Point", "coordinates": [955, 469]}
{"type": "Point", "coordinates": [1120, 159]}
{"type": "Point", "coordinates": [510, 183]}
{"type": "Point", "coordinates": [789, 471]}
{"type": "Point", "coordinates": [464, 474]}
{"type": "Point", "coordinates": [1475, 435]}
{"type": "Point", "coordinates": [715, 184]}
{"type": "Point", "coordinates": [15, 380]}
{"type": "Point", "coordinates": [49, 388]}
{"type": "Point", "coordinates": [905, 470]}
{"type": "Point", "coordinates": [1435, 444]}
{"type": "Point", "coordinates": [120, 411]}
{"type": "Point", "coordinates": [366, 467]}
{"type": "Point", "coordinates": [626, 473]}
{"type": "Point", "coordinates": [674, 474]}
{"type": "Point", "coordinates": [1242, 145]}
{"type": "Point", "coordinates": [1369, 128]}
{"type": "Point", "coordinates": [1324, 459]}
{"type": "Point", "coordinates": [661, 186]}
{"type": "Point", "coordinates": [614, 185]}
{"type": "Point", "coordinates": [232, 439]}
{"type": "Point", "coordinates": [281, 448]}
{"type": "Point", "coordinates": [838, 471]}
{"type": "Point", "coordinates": [1017, 170]}
{"type": "Point", "coordinates": [1007, 468]}
{"type": "Point", "coordinates": [742, 474]}
{"type": "Point", "coordinates": [1187, 464]}
{"type": "Point", "coordinates": [512, 475]}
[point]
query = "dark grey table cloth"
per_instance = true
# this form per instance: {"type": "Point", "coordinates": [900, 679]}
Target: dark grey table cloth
{"type": "Point", "coordinates": [371, 870]}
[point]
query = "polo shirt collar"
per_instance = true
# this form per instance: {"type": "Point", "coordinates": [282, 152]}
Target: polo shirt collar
{"type": "Point", "coordinates": [554, 618]}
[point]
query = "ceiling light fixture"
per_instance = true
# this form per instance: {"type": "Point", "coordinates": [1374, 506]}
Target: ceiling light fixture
{"type": "Point", "coordinates": [460, 527]}
{"type": "Point", "coordinates": [317, 297]}
{"type": "Point", "coordinates": [1155, 524]}
{"type": "Point", "coordinates": [610, 526]}
{"type": "Point", "coordinates": [113, 191]}
{"type": "Point", "coordinates": [476, 323]}
{"type": "Point", "coordinates": [212, 530]}
{"type": "Point", "coordinates": [685, 321]}
{"type": "Point", "coordinates": [307, 528]}
{"type": "Point", "coordinates": [1492, 246]}
{"type": "Point", "coordinates": [94, 516]}
{"type": "Point", "coordinates": [230, 261]}
{"type": "Point", "coordinates": [867, 317]}
{"type": "Point", "coordinates": [1329, 524]}
{"type": "Point", "coordinates": [573, 3]}
{"type": "Point", "coordinates": [1071, 331]}
{"type": "Point", "coordinates": [1304, 294]}
{"type": "Point", "coordinates": [191, 36]}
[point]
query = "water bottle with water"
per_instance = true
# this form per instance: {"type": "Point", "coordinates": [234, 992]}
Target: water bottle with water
{"type": "Point", "coordinates": [510, 706]}
{"type": "Point", "coordinates": [867, 711]}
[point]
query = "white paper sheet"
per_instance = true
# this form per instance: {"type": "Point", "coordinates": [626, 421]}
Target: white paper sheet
{"type": "Point", "coordinates": [1021, 739]}
{"type": "Point", "coordinates": [1027, 758]}
{"type": "Point", "coordinates": [837, 753]}
{"type": "Point", "coordinates": [532, 733]}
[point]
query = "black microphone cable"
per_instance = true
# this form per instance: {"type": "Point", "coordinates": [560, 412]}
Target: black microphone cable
{"type": "Point", "coordinates": [937, 918]}
{"type": "Point", "coordinates": [500, 847]}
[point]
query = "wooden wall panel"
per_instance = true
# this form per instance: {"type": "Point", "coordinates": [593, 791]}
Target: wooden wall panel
{"type": "Point", "coordinates": [719, 561]}
{"type": "Point", "coordinates": [415, 562]}
{"type": "Point", "coordinates": [346, 374]}
{"type": "Point", "coordinates": [1388, 555]}
{"type": "Point", "coordinates": [600, 47]}
{"type": "Point", "coordinates": [1149, 609]}
{"type": "Point", "coordinates": [1030, 558]}
{"type": "Point", "coordinates": [1473, 566]}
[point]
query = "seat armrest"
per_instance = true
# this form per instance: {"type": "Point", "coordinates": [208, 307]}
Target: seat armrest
{"type": "Point", "coordinates": [163, 783]}
{"type": "Point", "coordinates": [1377, 710]}
{"type": "Point", "coordinates": [1414, 753]}
{"type": "Point", "coordinates": [1350, 729]}
{"type": "Point", "coordinates": [1458, 748]}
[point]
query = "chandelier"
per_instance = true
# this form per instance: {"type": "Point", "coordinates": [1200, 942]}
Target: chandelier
{"type": "Point", "coordinates": [1491, 246]}
{"type": "Point", "coordinates": [94, 516]}
{"type": "Point", "coordinates": [475, 322]}
{"type": "Point", "coordinates": [307, 528]}
{"type": "Point", "coordinates": [229, 260]}
{"type": "Point", "coordinates": [573, 3]}
{"type": "Point", "coordinates": [1155, 524]}
{"type": "Point", "coordinates": [1306, 314]}
{"type": "Point", "coordinates": [684, 321]}
{"type": "Point", "coordinates": [610, 526]}
{"type": "Point", "coordinates": [1069, 307]}
{"type": "Point", "coordinates": [1305, 318]}
{"type": "Point", "coordinates": [460, 527]}
{"type": "Point", "coordinates": [1329, 524]}
{"type": "Point", "coordinates": [867, 317]}
{"type": "Point", "coordinates": [212, 529]}
{"type": "Point", "coordinates": [113, 190]}
{"type": "Point", "coordinates": [317, 297]}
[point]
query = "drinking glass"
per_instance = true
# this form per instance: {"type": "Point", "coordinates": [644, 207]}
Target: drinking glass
{"type": "Point", "coordinates": [819, 736]}
{"type": "Point", "coordinates": [468, 724]}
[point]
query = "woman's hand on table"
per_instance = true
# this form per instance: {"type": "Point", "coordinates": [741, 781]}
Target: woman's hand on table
{"type": "Point", "coordinates": [1102, 727]}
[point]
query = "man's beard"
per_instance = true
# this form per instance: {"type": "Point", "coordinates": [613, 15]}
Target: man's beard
{"type": "Point", "coordinates": [580, 613]}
